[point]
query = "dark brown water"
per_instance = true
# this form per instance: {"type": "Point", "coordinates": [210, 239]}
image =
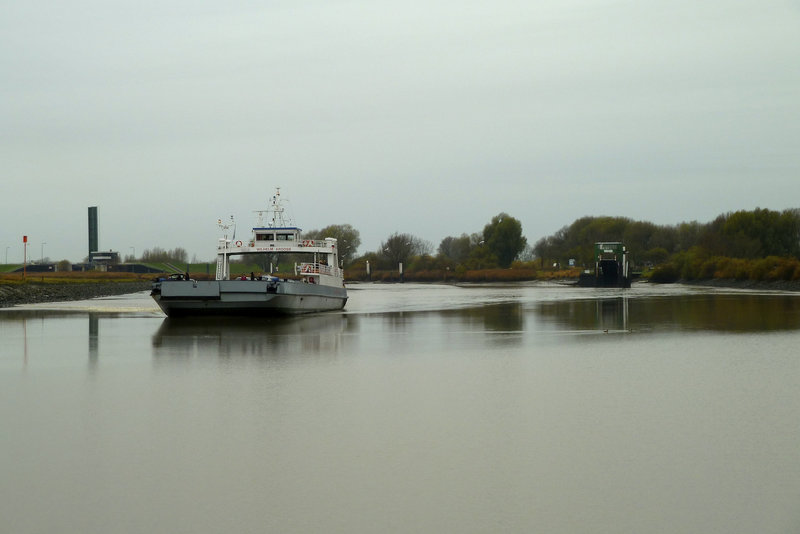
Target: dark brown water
{"type": "Point", "coordinates": [419, 409]}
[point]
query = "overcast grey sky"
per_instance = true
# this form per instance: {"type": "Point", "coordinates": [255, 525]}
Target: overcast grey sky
{"type": "Point", "coordinates": [423, 117]}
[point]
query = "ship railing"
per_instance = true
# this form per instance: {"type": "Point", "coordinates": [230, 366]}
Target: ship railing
{"type": "Point", "coordinates": [229, 245]}
{"type": "Point", "coordinates": [319, 268]}
{"type": "Point", "coordinates": [314, 243]}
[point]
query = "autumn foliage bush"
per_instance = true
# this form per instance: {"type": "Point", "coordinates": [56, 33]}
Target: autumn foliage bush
{"type": "Point", "coordinates": [688, 266]}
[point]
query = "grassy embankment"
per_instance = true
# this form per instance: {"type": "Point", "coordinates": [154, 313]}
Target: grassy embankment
{"type": "Point", "coordinates": [73, 277]}
{"type": "Point", "coordinates": [521, 272]}
{"type": "Point", "coordinates": [67, 286]}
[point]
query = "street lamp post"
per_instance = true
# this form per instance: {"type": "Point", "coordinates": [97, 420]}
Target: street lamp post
{"type": "Point", "coordinates": [7, 255]}
{"type": "Point", "coordinates": [134, 252]}
{"type": "Point", "coordinates": [43, 244]}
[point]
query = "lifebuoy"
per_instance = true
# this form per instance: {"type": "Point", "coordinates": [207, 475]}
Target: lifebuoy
{"type": "Point", "coordinates": [238, 243]}
{"type": "Point", "coordinates": [308, 243]}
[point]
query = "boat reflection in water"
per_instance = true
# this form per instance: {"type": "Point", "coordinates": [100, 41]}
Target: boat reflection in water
{"type": "Point", "coordinates": [58, 325]}
{"type": "Point", "coordinates": [488, 326]}
{"type": "Point", "coordinates": [729, 312]}
{"type": "Point", "coordinates": [267, 337]}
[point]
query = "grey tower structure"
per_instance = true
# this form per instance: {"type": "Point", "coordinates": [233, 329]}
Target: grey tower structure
{"type": "Point", "coordinates": [93, 242]}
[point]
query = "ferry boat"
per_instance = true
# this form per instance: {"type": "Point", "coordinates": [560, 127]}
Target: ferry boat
{"type": "Point", "coordinates": [611, 267]}
{"type": "Point", "coordinates": [318, 284]}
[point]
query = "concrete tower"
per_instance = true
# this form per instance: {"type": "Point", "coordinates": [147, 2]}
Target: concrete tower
{"type": "Point", "coordinates": [93, 242]}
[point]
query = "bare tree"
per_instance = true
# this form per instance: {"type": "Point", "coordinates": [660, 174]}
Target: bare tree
{"type": "Point", "coordinates": [347, 237]}
{"type": "Point", "coordinates": [400, 248]}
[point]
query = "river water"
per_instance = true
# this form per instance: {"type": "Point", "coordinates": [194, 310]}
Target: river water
{"type": "Point", "coordinates": [419, 408]}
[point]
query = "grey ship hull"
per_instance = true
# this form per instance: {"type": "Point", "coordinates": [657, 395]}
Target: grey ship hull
{"type": "Point", "coordinates": [245, 297]}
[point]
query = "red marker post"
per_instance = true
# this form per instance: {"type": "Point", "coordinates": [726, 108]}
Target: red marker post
{"type": "Point", "coordinates": [24, 255]}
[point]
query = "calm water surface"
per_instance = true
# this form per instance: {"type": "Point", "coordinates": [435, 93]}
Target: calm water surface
{"type": "Point", "coordinates": [533, 408]}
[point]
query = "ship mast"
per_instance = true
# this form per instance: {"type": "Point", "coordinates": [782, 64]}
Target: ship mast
{"type": "Point", "coordinates": [275, 213]}
{"type": "Point", "coordinates": [226, 226]}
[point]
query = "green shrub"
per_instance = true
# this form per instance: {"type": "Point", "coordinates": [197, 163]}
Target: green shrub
{"type": "Point", "coordinates": [760, 269]}
{"type": "Point", "coordinates": [666, 273]}
{"type": "Point", "coordinates": [708, 269]}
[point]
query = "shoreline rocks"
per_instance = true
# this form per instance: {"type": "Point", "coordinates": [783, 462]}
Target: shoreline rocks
{"type": "Point", "coordinates": [34, 292]}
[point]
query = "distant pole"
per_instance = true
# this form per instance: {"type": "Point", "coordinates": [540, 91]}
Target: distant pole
{"type": "Point", "coordinates": [43, 244]}
{"type": "Point", "coordinates": [7, 255]}
{"type": "Point", "coordinates": [369, 275]}
{"type": "Point", "coordinates": [401, 272]}
{"type": "Point", "coordinates": [134, 253]}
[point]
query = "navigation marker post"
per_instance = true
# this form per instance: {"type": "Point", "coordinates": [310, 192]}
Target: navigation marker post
{"type": "Point", "coordinates": [24, 255]}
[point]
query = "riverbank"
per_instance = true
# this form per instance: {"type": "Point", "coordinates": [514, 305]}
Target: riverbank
{"type": "Point", "coordinates": [13, 294]}
{"type": "Point", "coordinates": [756, 285]}
{"type": "Point", "coordinates": [34, 292]}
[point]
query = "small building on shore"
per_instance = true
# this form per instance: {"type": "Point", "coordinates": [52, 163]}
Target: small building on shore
{"type": "Point", "coordinates": [100, 260]}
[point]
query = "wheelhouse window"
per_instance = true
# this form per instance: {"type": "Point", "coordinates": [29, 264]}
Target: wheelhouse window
{"type": "Point", "coordinates": [265, 237]}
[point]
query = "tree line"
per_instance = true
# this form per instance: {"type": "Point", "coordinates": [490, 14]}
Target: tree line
{"type": "Point", "coordinates": [497, 246]}
{"type": "Point", "coordinates": [741, 234]}
{"type": "Point", "coordinates": [160, 255]}
{"type": "Point", "coordinates": [760, 245]}
{"type": "Point", "coordinates": [685, 250]}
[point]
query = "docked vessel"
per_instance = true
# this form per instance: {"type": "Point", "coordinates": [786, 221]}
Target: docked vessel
{"type": "Point", "coordinates": [611, 267]}
{"type": "Point", "coordinates": [318, 284]}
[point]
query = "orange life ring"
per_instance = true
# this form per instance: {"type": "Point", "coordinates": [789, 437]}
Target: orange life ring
{"type": "Point", "coordinates": [238, 243]}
